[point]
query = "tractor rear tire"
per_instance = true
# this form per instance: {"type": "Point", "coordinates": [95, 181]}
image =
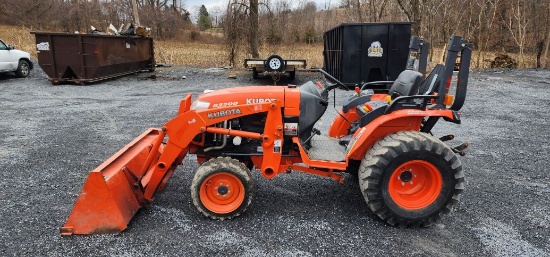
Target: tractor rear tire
{"type": "Point", "coordinates": [222, 188]}
{"type": "Point", "coordinates": [411, 179]}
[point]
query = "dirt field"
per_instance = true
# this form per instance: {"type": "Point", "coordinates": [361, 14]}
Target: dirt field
{"type": "Point", "coordinates": [52, 136]}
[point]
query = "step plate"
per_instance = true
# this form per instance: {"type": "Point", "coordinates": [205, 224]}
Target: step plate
{"type": "Point", "coordinates": [326, 149]}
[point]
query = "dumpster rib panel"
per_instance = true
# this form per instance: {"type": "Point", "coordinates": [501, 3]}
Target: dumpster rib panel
{"type": "Point", "coordinates": [346, 51]}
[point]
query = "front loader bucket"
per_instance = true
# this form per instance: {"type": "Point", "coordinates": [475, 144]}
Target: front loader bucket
{"type": "Point", "coordinates": [113, 192]}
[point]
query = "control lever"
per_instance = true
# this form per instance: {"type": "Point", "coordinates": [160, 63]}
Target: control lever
{"type": "Point", "coordinates": [314, 132]}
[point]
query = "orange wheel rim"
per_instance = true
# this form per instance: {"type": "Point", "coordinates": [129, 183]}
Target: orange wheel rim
{"type": "Point", "coordinates": [415, 184]}
{"type": "Point", "coordinates": [222, 193]}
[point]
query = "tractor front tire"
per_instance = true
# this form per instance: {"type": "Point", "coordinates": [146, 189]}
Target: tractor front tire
{"type": "Point", "coordinates": [411, 179]}
{"type": "Point", "coordinates": [222, 188]}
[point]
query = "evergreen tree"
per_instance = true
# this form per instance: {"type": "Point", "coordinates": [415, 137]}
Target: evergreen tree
{"type": "Point", "coordinates": [204, 21]}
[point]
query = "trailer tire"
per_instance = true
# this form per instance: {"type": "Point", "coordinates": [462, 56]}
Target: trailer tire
{"type": "Point", "coordinates": [411, 179]}
{"type": "Point", "coordinates": [274, 63]}
{"type": "Point", "coordinates": [222, 188]}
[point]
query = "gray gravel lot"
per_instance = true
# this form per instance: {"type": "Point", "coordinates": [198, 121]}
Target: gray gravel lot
{"type": "Point", "coordinates": [52, 136]}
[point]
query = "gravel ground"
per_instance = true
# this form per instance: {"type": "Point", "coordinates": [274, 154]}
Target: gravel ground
{"type": "Point", "coordinates": [52, 136]}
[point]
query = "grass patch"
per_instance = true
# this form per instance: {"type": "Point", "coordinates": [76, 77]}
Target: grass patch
{"type": "Point", "coordinates": [20, 37]}
{"type": "Point", "coordinates": [215, 55]}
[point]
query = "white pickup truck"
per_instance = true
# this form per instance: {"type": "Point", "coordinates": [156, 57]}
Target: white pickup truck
{"type": "Point", "coordinates": [16, 61]}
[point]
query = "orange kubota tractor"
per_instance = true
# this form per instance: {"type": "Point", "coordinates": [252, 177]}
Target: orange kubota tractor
{"type": "Point", "coordinates": [407, 176]}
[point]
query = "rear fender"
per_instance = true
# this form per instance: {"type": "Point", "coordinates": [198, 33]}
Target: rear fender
{"type": "Point", "coordinates": [401, 120]}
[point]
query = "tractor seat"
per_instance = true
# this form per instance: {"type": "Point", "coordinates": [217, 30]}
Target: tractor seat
{"type": "Point", "coordinates": [406, 84]}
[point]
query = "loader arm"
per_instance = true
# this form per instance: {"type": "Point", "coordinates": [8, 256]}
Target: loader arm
{"type": "Point", "coordinates": [127, 181]}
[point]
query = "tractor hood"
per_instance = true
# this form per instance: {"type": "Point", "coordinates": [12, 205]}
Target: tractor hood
{"type": "Point", "coordinates": [289, 97]}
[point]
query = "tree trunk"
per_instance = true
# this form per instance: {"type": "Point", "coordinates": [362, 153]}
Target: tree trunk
{"type": "Point", "coordinates": [413, 14]}
{"type": "Point", "coordinates": [540, 47]}
{"type": "Point", "coordinates": [253, 37]}
{"type": "Point", "coordinates": [359, 10]}
{"type": "Point", "coordinates": [480, 45]}
{"type": "Point", "coordinates": [546, 59]}
{"type": "Point", "coordinates": [417, 17]}
{"type": "Point", "coordinates": [135, 12]}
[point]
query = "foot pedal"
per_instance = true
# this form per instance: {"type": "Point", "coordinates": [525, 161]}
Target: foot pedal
{"type": "Point", "coordinates": [459, 149]}
{"type": "Point", "coordinates": [447, 138]}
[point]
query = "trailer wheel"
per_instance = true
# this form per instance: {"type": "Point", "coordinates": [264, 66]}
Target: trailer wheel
{"type": "Point", "coordinates": [274, 63]}
{"type": "Point", "coordinates": [411, 179]}
{"type": "Point", "coordinates": [23, 69]}
{"type": "Point", "coordinates": [222, 188]}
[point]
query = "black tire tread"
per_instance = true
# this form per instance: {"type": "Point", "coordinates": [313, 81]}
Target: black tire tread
{"type": "Point", "coordinates": [379, 157]}
{"type": "Point", "coordinates": [210, 167]}
{"type": "Point", "coordinates": [18, 72]}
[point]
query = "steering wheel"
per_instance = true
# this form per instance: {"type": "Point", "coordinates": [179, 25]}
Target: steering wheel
{"type": "Point", "coordinates": [336, 83]}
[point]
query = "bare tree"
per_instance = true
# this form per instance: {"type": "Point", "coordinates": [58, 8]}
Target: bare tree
{"type": "Point", "coordinates": [516, 22]}
{"type": "Point", "coordinates": [377, 8]}
{"type": "Point", "coordinates": [234, 28]}
{"type": "Point", "coordinates": [412, 10]}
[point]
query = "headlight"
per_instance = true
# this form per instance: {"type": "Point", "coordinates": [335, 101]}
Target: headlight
{"type": "Point", "coordinates": [199, 105]}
